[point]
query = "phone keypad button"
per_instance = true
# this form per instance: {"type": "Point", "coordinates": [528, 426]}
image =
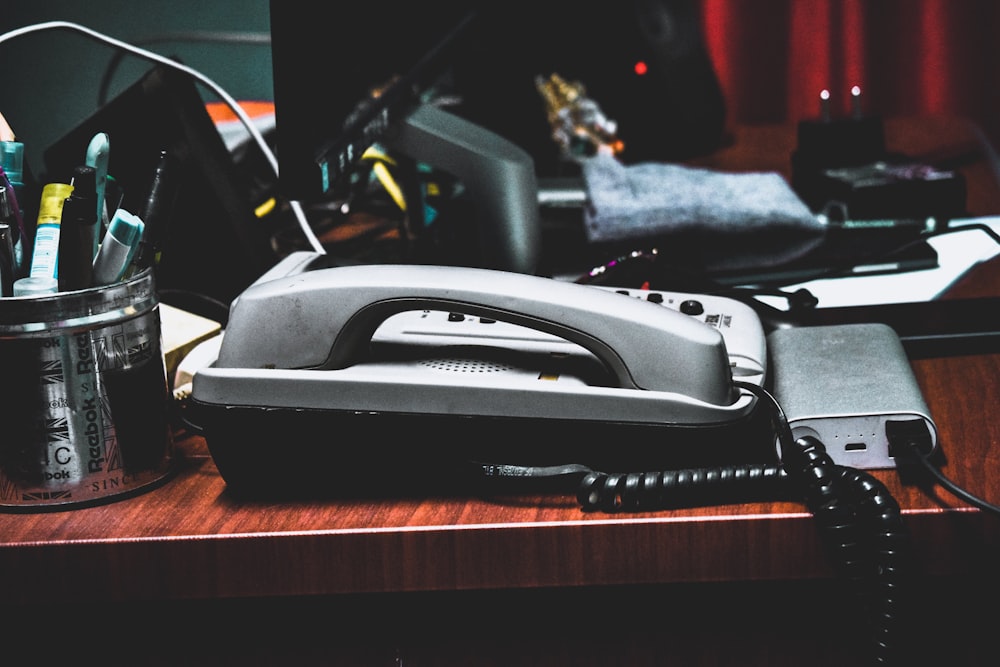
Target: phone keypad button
{"type": "Point", "coordinates": [692, 307]}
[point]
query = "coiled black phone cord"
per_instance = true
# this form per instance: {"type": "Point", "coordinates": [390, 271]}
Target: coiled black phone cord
{"type": "Point", "coordinates": [693, 487]}
{"type": "Point", "coordinates": [863, 532]}
{"type": "Point", "coordinates": [860, 522]}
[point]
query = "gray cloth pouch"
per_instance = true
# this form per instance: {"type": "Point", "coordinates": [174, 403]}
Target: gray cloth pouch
{"type": "Point", "coordinates": [737, 220]}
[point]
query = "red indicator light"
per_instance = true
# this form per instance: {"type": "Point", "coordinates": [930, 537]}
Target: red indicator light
{"type": "Point", "coordinates": [641, 68]}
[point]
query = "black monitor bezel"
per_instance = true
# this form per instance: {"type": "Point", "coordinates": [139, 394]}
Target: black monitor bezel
{"type": "Point", "coordinates": [320, 135]}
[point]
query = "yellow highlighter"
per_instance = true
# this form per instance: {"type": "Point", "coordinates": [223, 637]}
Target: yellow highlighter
{"type": "Point", "coordinates": [45, 256]}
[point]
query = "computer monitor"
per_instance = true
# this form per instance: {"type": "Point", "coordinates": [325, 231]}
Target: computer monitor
{"type": "Point", "coordinates": [214, 244]}
{"type": "Point", "coordinates": [351, 75]}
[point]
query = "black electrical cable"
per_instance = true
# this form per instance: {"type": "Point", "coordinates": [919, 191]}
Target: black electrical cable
{"type": "Point", "coordinates": [860, 522]}
{"type": "Point", "coordinates": [224, 37]}
{"type": "Point", "coordinates": [953, 488]}
{"type": "Point", "coordinates": [911, 441]}
{"type": "Point", "coordinates": [862, 527]}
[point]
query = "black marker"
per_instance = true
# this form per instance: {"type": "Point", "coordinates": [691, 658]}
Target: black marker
{"type": "Point", "coordinates": [8, 216]}
{"type": "Point", "coordinates": [78, 232]}
{"type": "Point", "coordinates": [7, 264]}
{"type": "Point", "coordinates": [156, 213]}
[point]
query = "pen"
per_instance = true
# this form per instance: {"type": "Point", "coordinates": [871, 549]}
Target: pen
{"type": "Point", "coordinates": [7, 264]}
{"type": "Point", "coordinates": [8, 216]}
{"type": "Point", "coordinates": [14, 190]}
{"type": "Point", "coordinates": [78, 232]}
{"type": "Point", "coordinates": [117, 247]}
{"type": "Point", "coordinates": [12, 161]}
{"type": "Point", "coordinates": [154, 215]}
{"type": "Point", "coordinates": [98, 156]}
{"type": "Point", "coordinates": [12, 164]}
{"type": "Point", "coordinates": [45, 256]}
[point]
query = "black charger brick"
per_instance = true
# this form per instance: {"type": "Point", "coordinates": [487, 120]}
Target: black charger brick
{"type": "Point", "coordinates": [832, 144]}
{"type": "Point", "coordinates": [895, 189]}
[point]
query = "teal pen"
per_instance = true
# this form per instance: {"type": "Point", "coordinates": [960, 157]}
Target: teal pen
{"type": "Point", "coordinates": [12, 156]}
{"type": "Point", "coordinates": [117, 248]}
{"type": "Point", "coordinates": [12, 160]}
{"type": "Point", "coordinates": [98, 157]}
{"type": "Point", "coordinates": [15, 190]}
{"type": "Point", "coordinates": [12, 177]}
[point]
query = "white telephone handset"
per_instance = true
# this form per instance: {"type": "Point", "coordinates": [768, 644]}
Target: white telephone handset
{"type": "Point", "coordinates": [323, 321]}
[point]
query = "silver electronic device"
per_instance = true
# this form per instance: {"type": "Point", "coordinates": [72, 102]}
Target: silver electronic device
{"type": "Point", "coordinates": [475, 364]}
{"type": "Point", "coordinates": [845, 385]}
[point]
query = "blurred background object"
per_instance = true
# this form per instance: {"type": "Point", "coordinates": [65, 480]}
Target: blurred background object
{"type": "Point", "coordinates": [771, 57]}
{"type": "Point", "coordinates": [910, 57]}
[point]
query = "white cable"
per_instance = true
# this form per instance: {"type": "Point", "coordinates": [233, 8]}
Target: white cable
{"type": "Point", "coordinates": [155, 57]}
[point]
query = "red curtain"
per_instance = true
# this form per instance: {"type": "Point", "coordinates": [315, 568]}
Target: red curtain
{"type": "Point", "coordinates": [909, 57]}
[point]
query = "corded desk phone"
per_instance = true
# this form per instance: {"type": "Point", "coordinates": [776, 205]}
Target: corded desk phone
{"type": "Point", "coordinates": [347, 375]}
{"type": "Point", "coordinates": [382, 379]}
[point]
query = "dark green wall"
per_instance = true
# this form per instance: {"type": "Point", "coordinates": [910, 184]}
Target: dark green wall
{"type": "Point", "coordinates": [52, 78]}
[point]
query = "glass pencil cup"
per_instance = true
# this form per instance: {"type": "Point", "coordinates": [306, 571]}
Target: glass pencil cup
{"type": "Point", "coordinates": [84, 398]}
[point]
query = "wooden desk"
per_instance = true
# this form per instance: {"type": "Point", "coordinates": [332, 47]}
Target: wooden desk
{"type": "Point", "coordinates": [526, 580]}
